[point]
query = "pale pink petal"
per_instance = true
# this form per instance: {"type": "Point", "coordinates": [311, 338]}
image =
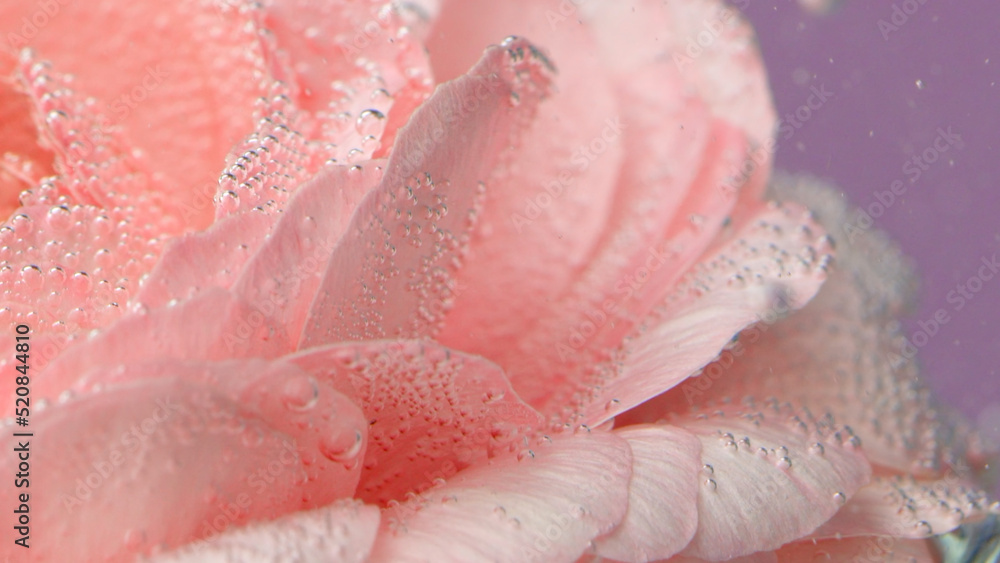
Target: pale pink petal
{"type": "Point", "coordinates": [712, 49]}
{"type": "Point", "coordinates": [345, 84]}
{"type": "Point", "coordinates": [94, 164]}
{"type": "Point", "coordinates": [555, 197]}
{"type": "Point", "coordinates": [903, 507]}
{"type": "Point", "coordinates": [837, 355]}
{"type": "Point", "coordinates": [342, 532]}
{"type": "Point", "coordinates": [210, 258]}
{"type": "Point", "coordinates": [23, 159]}
{"type": "Point", "coordinates": [657, 192]}
{"type": "Point", "coordinates": [329, 430]}
{"type": "Point", "coordinates": [355, 66]}
{"type": "Point", "coordinates": [773, 262]}
{"type": "Point", "coordinates": [186, 108]}
{"type": "Point", "coordinates": [726, 70]}
{"type": "Point", "coordinates": [759, 557]}
{"type": "Point", "coordinates": [662, 512]}
{"type": "Point", "coordinates": [546, 503]}
{"type": "Point", "coordinates": [392, 273]}
{"type": "Point", "coordinates": [432, 411]}
{"type": "Point", "coordinates": [157, 463]}
{"type": "Point", "coordinates": [74, 252]}
{"type": "Point", "coordinates": [883, 549]}
{"type": "Point", "coordinates": [646, 247]}
{"type": "Point", "coordinates": [212, 326]}
{"type": "Point", "coordinates": [766, 481]}
{"type": "Point", "coordinates": [283, 276]}
{"type": "Point", "coordinates": [262, 171]}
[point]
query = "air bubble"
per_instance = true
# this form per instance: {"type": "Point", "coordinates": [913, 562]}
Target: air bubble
{"type": "Point", "coordinates": [300, 393]}
{"type": "Point", "coordinates": [342, 447]}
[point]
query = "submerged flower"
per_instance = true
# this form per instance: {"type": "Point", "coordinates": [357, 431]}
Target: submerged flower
{"type": "Point", "coordinates": [535, 301]}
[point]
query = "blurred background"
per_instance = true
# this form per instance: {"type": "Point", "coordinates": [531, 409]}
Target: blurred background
{"type": "Point", "coordinates": [915, 99]}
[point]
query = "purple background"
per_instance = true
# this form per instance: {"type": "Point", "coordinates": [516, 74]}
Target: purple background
{"type": "Point", "coordinates": [879, 118]}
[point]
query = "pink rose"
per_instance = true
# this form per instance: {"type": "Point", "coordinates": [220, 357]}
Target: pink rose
{"type": "Point", "coordinates": [447, 301]}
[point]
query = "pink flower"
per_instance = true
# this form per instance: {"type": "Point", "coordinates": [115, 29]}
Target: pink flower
{"type": "Point", "coordinates": [532, 308]}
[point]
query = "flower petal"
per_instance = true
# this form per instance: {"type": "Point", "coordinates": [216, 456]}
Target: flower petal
{"type": "Point", "coordinates": [432, 411]}
{"type": "Point", "coordinates": [548, 506]}
{"type": "Point", "coordinates": [839, 354]}
{"type": "Point", "coordinates": [212, 326]}
{"type": "Point", "coordinates": [322, 422]}
{"type": "Point", "coordinates": [662, 512]}
{"type": "Point", "coordinates": [712, 49]}
{"type": "Point", "coordinates": [771, 263]}
{"type": "Point", "coordinates": [391, 275]}
{"type": "Point", "coordinates": [343, 58]}
{"type": "Point", "coordinates": [759, 557]}
{"type": "Point", "coordinates": [882, 549]}
{"type": "Point", "coordinates": [23, 158]}
{"type": "Point", "coordinates": [342, 532]}
{"type": "Point", "coordinates": [184, 110]}
{"type": "Point", "coordinates": [210, 258]}
{"type": "Point", "coordinates": [556, 195]}
{"type": "Point", "coordinates": [283, 276]}
{"type": "Point", "coordinates": [178, 452]}
{"type": "Point", "coordinates": [656, 192]}
{"type": "Point", "coordinates": [906, 508]}
{"type": "Point", "coordinates": [766, 482]}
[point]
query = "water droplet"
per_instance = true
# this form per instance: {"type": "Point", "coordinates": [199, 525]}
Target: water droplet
{"type": "Point", "coordinates": [711, 485]}
{"type": "Point", "coordinates": [784, 463]}
{"type": "Point", "coordinates": [32, 277]}
{"type": "Point", "coordinates": [300, 393]}
{"type": "Point", "coordinates": [342, 447]}
{"type": "Point", "coordinates": [816, 449]}
{"type": "Point", "coordinates": [840, 497]}
{"type": "Point", "coordinates": [22, 224]}
{"type": "Point", "coordinates": [229, 201]}
{"type": "Point", "coordinates": [370, 122]}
